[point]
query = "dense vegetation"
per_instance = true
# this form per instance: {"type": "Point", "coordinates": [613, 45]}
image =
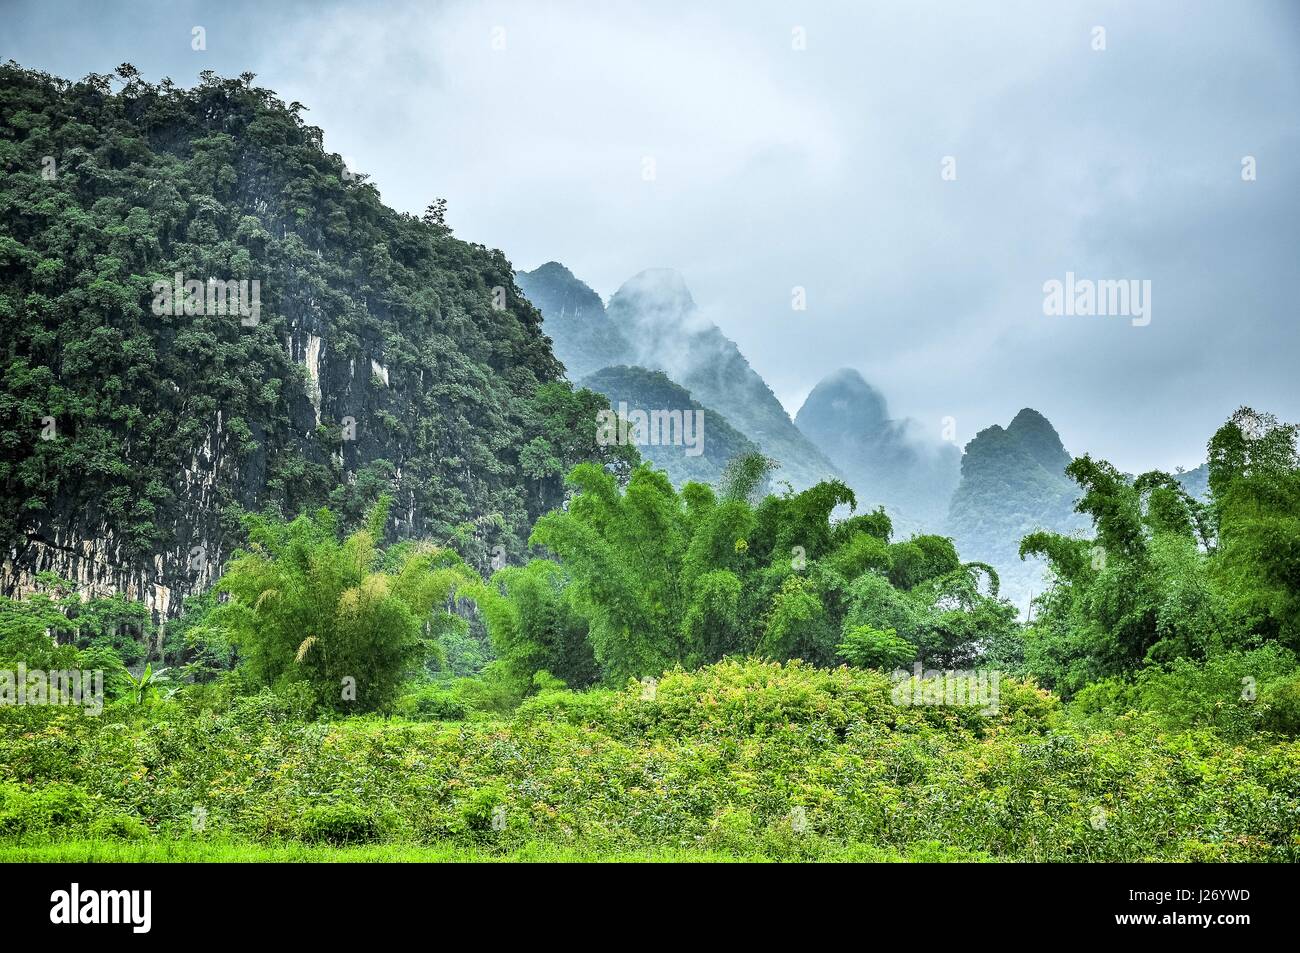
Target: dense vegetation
{"type": "Point", "coordinates": [670, 678]}
{"type": "Point", "coordinates": [749, 758]}
{"type": "Point", "coordinates": [164, 428]}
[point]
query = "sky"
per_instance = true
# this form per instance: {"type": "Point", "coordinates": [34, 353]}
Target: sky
{"type": "Point", "coordinates": [920, 170]}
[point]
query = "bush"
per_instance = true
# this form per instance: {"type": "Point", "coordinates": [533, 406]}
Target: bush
{"type": "Point", "coordinates": [1224, 692]}
{"type": "Point", "coordinates": [432, 703]}
{"type": "Point", "coordinates": [717, 758]}
{"type": "Point", "coordinates": [341, 823]}
{"type": "Point", "coordinates": [51, 808]}
{"type": "Point", "coordinates": [869, 647]}
{"type": "Point", "coordinates": [1281, 704]}
{"type": "Point", "coordinates": [117, 827]}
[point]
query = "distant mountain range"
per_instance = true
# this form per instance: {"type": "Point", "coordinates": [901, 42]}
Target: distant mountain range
{"type": "Point", "coordinates": [887, 462]}
{"type": "Point", "coordinates": [652, 323]}
{"type": "Point", "coordinates": [1013, 482]}
{"type": "Point", "coordinates": [582, 336]}
{"type": "Point", "coordinates": [651, 348]}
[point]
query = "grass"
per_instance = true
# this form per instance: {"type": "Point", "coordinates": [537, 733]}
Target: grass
{"type": "Point", "coordinates": [226, 852]}
{"type": "Point", "coordinates": [240, 852]}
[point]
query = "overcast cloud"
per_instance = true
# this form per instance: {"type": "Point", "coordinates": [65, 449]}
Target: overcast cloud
{"type": "Point", "coordinates": [778, 167]}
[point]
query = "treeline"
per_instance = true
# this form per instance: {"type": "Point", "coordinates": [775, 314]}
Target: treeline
{"type": "Point", "coordinates": [634, 577]}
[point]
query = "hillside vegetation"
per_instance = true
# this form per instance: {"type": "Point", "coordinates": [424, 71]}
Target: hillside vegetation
{"type": "Point", "coordinates": [382, 356]}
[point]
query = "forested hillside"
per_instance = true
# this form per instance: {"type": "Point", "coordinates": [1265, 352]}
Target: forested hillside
{"type": "Point", "coordinates": [705, 462]}
{"type": "Point", "coordinates": [1013, 482]}
{"type": "Point", "coordinates": [385, 354]}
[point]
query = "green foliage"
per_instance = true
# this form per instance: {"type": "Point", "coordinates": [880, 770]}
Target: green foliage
{"type": "Point", "coordinates": [947, 620]}
{"type": "Point", "coordinates": [432, 702]}
{"type": "Point", "coordinates": [563, 421]}
{"type": "Point", "coordinates": [1237, 693]}
{"type": "Point", "coordinates": [1281, 705]}
{"type": "Point", "coordinates": [714, 760]}
{"type": "Point", "coordinates": [1255, 480]}
{"type": "Point", "coordinates": [339, 824]}
{"type": "Point", "coordinates": [52, 628]}
{"type": "Point", "coordinates": [534, 626]}
{"type": "Point", "coordinates": [663, 578]}
{"type": "Point", "coordinates": [146, 683]}
{"type": "Point", "coordinates": [867, 647]}
{"type": "Point", "coordinates": [305, 607]}
{"type": "Point", "coordinates": [47, 809]}
{"type": "Point", "coordinates": [1166, 578]}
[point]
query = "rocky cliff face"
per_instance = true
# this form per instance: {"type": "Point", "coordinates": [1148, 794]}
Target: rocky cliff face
{"type": "Point", "coordinates": [384, 355]}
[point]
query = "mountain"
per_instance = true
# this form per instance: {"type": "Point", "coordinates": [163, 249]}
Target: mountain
{"type": "Point", "coordinates": [719, 442]}
{"type": "Point", "coordinates": [150, 398]}
{"type": "Point", "coordinates": [1013, 482]}
{"type": "Point", "coordinates": [885, 461]}
{"type": "Point", "coordinates": [573, 317]}
{"type": "Point", "coordinates": [1196, 482]}
{"type": "Point", "coordinates": [666, 331]}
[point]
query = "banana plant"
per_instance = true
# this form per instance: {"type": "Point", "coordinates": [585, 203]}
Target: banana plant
{"type": "Point", "coordinates": [148, 680]}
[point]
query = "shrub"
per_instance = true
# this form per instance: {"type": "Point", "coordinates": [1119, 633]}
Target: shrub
{"type": "Point", "coordinates": [117, 827]}
{"type": "Point", "coordinates": [1281, 704]}
{"type": "Point", "coordinates": [1224, 692]}
{"type": "Point", "coordinates": [51, 808]}
{"type": "Point", "coordinates": [870, 647]}
{"type": "Point", "coordinates": [432, 703]}
{"type": "Point", "coordinates": [717, 757]}
{"type": "Point", "coordinates": [340, 823]}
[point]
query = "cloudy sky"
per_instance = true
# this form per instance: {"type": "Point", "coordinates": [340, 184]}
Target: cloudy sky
{"type": "Point", "coordinates": [759, 147]}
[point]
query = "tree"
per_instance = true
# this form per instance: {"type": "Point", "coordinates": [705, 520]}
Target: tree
{"type": "Point", "coordinates": [1165, 577]}
{"type": "Point", "coordinates": [868, 647]}
{"type": "Point", "coordinates": [435, 214]}
{"type": "Point", "coordinates": [306, 607]}
{"type": "Point", "coordinates": [663, 578]}
{"type": "Point", "coordinates": [534, 626]}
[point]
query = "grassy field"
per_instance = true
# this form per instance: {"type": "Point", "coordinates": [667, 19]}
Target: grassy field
{"type": "Point", "coordinates": [90, 851]}
{"type": "Point", "coordinates": [194, 851]}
